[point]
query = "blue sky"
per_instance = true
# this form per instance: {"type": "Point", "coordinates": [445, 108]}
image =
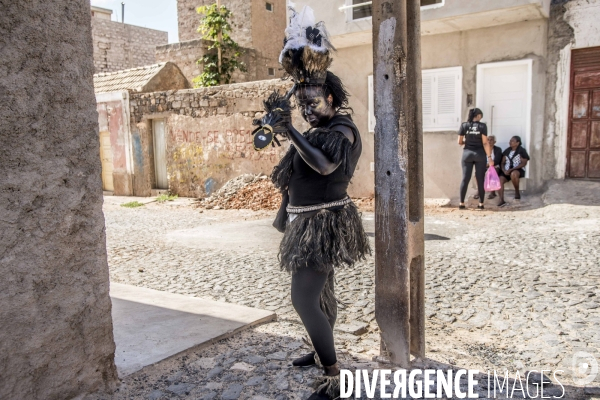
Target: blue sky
{"type": "Point", "coordinates": [155, 14]}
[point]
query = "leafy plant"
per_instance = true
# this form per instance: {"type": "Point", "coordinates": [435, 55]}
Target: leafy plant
{"type": "Point", "coordinates": [166, 197]}
{"type": "Point", "coordinates": [132, 204]}
{"type": "Point", "coordinates": [219, 64]}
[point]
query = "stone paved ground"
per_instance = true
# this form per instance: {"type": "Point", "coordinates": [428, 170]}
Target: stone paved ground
{"type": "Point", "coordinates": [516, 289]}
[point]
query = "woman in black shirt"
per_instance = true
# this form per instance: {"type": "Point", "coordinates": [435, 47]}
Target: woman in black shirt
{"type": "Point", "coordinates": [473, 135]}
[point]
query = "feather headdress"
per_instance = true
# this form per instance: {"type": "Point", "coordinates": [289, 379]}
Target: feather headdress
{"type": "Point", "coordinates": [306, 53]}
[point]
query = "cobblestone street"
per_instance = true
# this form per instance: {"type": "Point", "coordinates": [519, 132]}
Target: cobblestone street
{"type": "Point", "coordinates": [516, 290]}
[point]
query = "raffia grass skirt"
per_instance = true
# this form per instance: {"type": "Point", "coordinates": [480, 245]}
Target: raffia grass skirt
{"type": "Point", "coordinates": [325, 241]}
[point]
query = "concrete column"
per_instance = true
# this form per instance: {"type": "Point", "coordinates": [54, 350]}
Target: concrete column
{"type": "Point", "coordinates": [399, 221]}
{"type": "Point", "coordinates": [56, 339]}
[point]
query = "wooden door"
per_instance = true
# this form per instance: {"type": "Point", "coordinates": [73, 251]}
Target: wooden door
{"type": "Point", "coordinates": [583, 153]}
{"type": "Point", "coordinates": [160, 154]}
{"type": "Point", "coordinates": [106, 157]}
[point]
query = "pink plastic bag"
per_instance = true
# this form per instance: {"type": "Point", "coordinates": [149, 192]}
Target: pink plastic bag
{"type": "Point", "coordinates": [492, 181]}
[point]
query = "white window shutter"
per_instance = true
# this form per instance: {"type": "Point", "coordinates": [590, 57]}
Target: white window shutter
{"type": "Point", "coordinates": [371, 104]}
{"type": "Point", "coordinates": [427, 92]}
{"type": "Point", "coordinates": [442, 96]}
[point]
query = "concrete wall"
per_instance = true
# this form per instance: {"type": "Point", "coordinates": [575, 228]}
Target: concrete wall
{"type": "Point", "coordinates": [354, 75]}
{"type": "Point", "coordinates": [267, 36]}
{"type": "Point", "coordinates": [452, 16]}
{"type": "Point", "coordinates": [524, 40]}
{"type": "Point", "coordinates": [466, 49]}
{"type": "Point", "coordinates": [56, 340]}
{"type": "Point", "coordinates": [185, 55]}
{"type": "Point", "coordinates": [120, 46]}
{"type": "Point", "coordinates": [208, 136]}
{"type": "Point", "coordinates": [573, 25]}
{"type": "Point", "coordinates": [253, 27]}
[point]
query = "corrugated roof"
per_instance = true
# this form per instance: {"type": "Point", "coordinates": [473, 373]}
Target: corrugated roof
{"type": "Point", "coordinates": [133, 79]}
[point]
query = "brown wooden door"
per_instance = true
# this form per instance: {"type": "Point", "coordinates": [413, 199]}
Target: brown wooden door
{"type": "Point", "coordinates": [583, 155]}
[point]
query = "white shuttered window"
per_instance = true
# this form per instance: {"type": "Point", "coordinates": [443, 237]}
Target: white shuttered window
{"type": "Point", "coordinates": [442, 95]}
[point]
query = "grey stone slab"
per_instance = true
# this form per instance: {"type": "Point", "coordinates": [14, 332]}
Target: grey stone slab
{"type": "Point", "coordinates": [279, 356]}
{"type": "Point", "coordinates": [155, 395]}
{"type": "Point", "coordinates": [232, 392]}
{"type": "Point", "coordinates": [353, 328]}
{"type": "Point", "coordinates": [181, 389]}
{"type": "Point", "coordinates": [150, 325]}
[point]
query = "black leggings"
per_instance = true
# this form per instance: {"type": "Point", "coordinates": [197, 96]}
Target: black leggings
{"type": "Point", "coordinates": [470, 158]}
{"type": "Point", "coordinates": [307, 285]}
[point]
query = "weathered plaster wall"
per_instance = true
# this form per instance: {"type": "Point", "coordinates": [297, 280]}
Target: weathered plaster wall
{"type": "Point", "coordinates": [56, 340]}
{"type": "Point", "coordinates": [185, 55]}
{"type": "Point", "coordinates": [466, 49]}
{"type": "Point", "coordinates": [208, 135]}
{"type": "Point", "coordinates": [353, 65]}
{"type": "Point", "coordinates": [120, 46]}
{"type": "Point", "coordinates": [267, 36]}
{"type": "Point", "coordinates": [113, 117]}
{"type": "Point", "coordinates": [560, 37]}
{"type": "Point", "coordinates": [573, 25]}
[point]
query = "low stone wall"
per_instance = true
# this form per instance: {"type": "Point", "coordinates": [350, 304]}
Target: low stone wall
{"type": "Point", "coordinates": [208, 135]}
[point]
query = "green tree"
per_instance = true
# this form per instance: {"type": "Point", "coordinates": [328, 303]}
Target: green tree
{"type": "Point", "coordinates": [223, 54]}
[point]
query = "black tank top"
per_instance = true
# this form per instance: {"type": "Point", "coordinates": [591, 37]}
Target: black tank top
{"type": "Point", "coordinates": [308, 187]}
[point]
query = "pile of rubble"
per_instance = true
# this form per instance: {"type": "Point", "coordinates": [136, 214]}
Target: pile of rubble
{"type": "Point", "coordinates": [365, 203]}
{"type": "Point", "coordinates": [247, 191]}
{"type": "Point", "coordinates": [256, 192]}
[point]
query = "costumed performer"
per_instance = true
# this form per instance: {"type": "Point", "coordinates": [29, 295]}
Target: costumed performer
{"type": "Point", "coordinates": [322, 226]}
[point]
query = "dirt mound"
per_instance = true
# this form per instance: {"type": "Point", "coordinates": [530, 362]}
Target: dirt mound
{"type": "Point", "coordinates": [248, 191]}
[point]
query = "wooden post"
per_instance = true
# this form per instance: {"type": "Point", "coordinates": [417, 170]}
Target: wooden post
{"type": "Point", "coordinates": [399, 219]}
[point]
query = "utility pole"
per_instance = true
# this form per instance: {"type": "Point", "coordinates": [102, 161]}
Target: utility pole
{"type": "Point", "coordinates": [399, 215]}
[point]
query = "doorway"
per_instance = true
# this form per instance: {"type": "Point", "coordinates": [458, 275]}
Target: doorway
{"type": "Point", "coordinates": [583, 143]}
{"type": "Point", "coordinates": [504, 96]}
{"type": "Point", "coordinates": [160, 153]}
{"type": "Point", "coordinates": [106, 157]}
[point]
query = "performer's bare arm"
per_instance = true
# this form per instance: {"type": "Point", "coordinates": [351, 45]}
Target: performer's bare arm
{"type": "Point", "coordinates": [314, 156]}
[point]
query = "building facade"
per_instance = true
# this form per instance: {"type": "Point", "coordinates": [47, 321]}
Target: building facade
{"type": "Point", "coordinates": [119, 46]}
{"type": "Point", "coordinates": [509, 58]}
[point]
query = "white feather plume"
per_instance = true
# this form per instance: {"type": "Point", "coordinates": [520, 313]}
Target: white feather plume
{"type": "Point", "coordinates": [295, 33]}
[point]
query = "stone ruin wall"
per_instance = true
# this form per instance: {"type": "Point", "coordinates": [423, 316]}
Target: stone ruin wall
{"type": "Point", "coordinates": [188, 20]}
{"type": "Point", "coordinates": [56, 340]}
{"type": "Point", "coordinates": [253, 27]}
{"type": "Point", "coordinates": [185, 55]}
{"type": "Point", "coordinates": [209, 137]}
{"type": "Point", "coordinates": [119, 46]}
